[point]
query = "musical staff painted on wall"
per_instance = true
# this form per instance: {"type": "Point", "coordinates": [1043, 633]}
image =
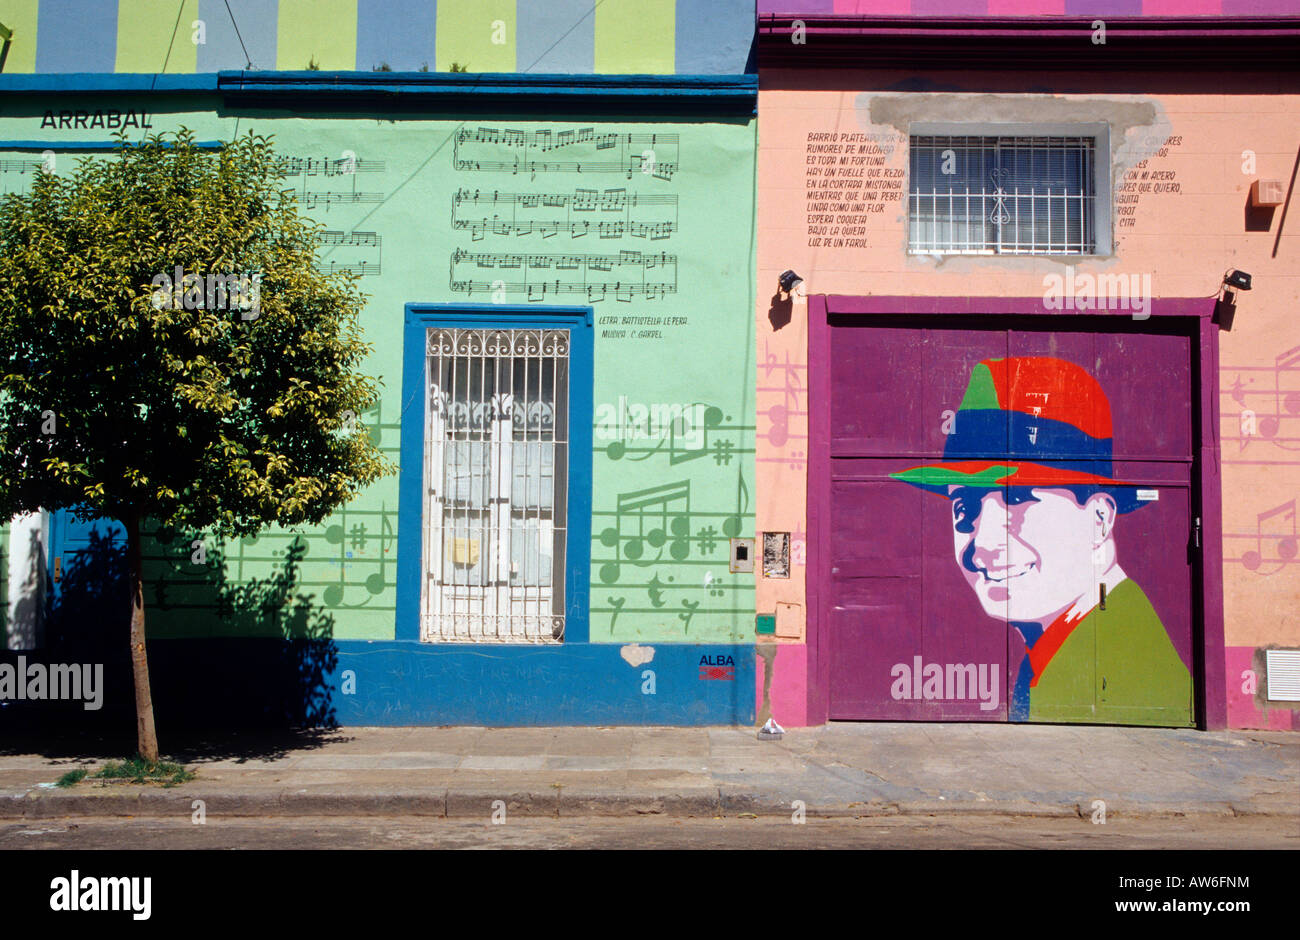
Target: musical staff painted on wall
{"type": "Point", "coordinates": [655, 524]}
{"type": "Point", "coordinates": [1271, 546]}
{"type": "Point", "coordinates": [316, 200]}
{"type": "Point", "coordinates": [17, 172]}
{"type": "Point", "coordinates": [596, 277]}
{"type": "Point", "coordinates": [603, 214]}
{"type": "Point", "coordinates": [783, 405]}
{"type": "Point", "coordinates": [635, 431]}
{"type": "Point", "coordinates": [348, 562]}
{"type": "Point", "coordinates": [326, 166]}
{"type": "Point", "coordinates": [1260, 411]}
{"type": "Point", "coordinates": [575, 150]}
{"type": "Point", "coordinates": [665, 509]}
{"type": "Point", "coordinates": [356, 252]}
{"type": "Point", "coordinates": [1260, 427]}
{"type": "Point", "coordinates": [321, 183]}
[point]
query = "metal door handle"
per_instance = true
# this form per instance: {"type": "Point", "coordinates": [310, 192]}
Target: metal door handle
{"type": "Point", "coordinates": [58, 568]}
{"type": "Point", "coordinates": [1103, 596]}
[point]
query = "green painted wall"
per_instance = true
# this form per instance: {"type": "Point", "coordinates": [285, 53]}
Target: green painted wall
{"type": "Point", "coordinates": [665, 498]}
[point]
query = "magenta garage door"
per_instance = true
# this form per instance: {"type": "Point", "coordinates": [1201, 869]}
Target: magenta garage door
{"type": "Point", "coordinates": [1013, 530]}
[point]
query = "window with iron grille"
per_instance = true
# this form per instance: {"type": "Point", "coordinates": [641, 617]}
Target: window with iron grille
{"type": "Point", "coordinates": [1003, 194]}
{"type": "Point", "coordinates": [495, 483]}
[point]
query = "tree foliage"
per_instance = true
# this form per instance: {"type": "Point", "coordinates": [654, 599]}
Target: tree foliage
{"type": "Point", "coordinates": [226, 419]}
{"type": "Point", "coordinates": [134, 385]}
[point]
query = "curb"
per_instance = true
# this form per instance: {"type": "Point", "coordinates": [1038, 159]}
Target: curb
{"type": "Point", "coordinates": [561, 802]}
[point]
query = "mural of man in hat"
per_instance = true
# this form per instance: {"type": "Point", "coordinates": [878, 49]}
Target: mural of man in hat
{"type": "Point", "coordinates": [1028, 469]}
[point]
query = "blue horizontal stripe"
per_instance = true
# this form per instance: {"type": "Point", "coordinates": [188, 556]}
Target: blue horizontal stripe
{"type": "Point", "coordinates": [719, 88]}
{"type": "Point", "coordinates": [92, 83]}
{"type": "Point", "coordinates": [61, 146]}
{"type": "Point", "coordinates": [494, 84]}
{"type": "Point", "coordinates": [988, 434]}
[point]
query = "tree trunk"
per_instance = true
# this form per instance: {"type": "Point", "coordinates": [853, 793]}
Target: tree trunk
{"type": "Point", "coordinates": [146, 736]}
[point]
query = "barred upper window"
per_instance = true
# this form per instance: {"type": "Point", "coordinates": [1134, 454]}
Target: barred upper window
{"type": "Point", "coordinates": [1002, 195]}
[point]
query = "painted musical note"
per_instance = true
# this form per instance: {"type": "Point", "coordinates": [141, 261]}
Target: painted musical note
{"type": "Point", "coordinates": [375, 583]}
{"type": "Point", "coordinates": [693, 442]}
{"type": "Point", "coordinates": [1237, 390]}
{"type": "Point", "coordinates": [665, 509]}
{"type": "Point", "coordinates": [617, 604]}
{"type": "Point", "coordinates": [655, 591]}
{"type": "Point", "coordinates": [685, 617]}
{"type": "Point", "coordinates": [734, 525]}
{"type": "Point", "coordinates": [791, 405]}
{"type": "Point", "coordinates": [1264, 413]}
{"type": "Point", "coordinates": [375, 426]}
{"type": "Point", "coordinates": [1284, 535]}
{"type": "Point", "coordinates": [1288, 401]}
{"type": "Point", "coordinates": [688, 432]}
{"type": "Point", "coordinates": [334, 535]}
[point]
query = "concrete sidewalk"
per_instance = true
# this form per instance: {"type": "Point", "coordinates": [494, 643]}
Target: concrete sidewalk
{"type": "Point", "coordinates": [836, 770]}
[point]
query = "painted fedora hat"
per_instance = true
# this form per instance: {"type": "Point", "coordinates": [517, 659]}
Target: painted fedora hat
{"type": "Point", "coordinates": [1028, 421]}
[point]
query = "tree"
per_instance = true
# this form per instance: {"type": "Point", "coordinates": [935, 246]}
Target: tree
{"type": "Point", "coordinates": [168, 351]}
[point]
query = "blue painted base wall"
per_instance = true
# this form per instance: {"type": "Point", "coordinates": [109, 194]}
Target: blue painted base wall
{"type": "Point", "coordinates": [258, 686]}
{"type": "Point", "coordinates": [580, 684]}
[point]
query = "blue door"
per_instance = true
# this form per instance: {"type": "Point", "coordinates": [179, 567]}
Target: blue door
{"type": "Point", "coordinates": [87, 577]}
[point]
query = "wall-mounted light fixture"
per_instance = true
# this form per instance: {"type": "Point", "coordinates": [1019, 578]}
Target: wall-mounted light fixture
{"type": "Point", "coordinates": [790, 284]}
{"type": "Point", "coordinates": [1226, 306]}
{"type": "Point", "coordinates": [1237, 279]}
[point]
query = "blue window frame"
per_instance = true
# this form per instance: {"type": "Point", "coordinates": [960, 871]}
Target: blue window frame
{"type": "Point", "coordinates": [420, 318]}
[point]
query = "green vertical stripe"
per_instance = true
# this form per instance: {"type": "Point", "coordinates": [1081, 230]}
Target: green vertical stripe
{"type": "Point", "coordinates": [323, 30]}
{"type": "Point", "coordinates": [150, 33]}
{"type": "Point", "coordinates": [20, 17]}
{"type": "Point", "coordinates": [636, 36]}
{"type": "Point", "coordinates": [477, 34]}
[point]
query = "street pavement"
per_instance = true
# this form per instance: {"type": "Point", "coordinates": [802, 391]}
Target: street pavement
{"type": "Point", "coordinates": [748, 831]}
{"type": "Point", "coordinates": [837, 770]}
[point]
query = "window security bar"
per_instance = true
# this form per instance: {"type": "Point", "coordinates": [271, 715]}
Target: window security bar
{"type": "Point", "coordinates": [496, 458]}
{"type": "Point", "coordinates": [1002, 195]}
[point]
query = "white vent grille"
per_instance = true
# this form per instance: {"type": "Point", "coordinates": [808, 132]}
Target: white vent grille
{"type": "Point", "coordinates": [1282, 672]}
{"type": "Point", "coordinates": [496, 459]}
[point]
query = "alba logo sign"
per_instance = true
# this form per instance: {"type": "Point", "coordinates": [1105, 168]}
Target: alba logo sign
{"type": "Point", "coordinates": [717, 667]}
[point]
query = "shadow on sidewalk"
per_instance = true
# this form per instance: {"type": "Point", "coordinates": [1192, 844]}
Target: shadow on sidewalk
{"type": "Point", "coordinates": [253, 683]}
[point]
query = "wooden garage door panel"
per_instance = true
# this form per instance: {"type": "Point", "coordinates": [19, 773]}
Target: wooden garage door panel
{"type": "Point", "coordinates": [883, 555]}
{"type": "Point", "coordinates": [888, 386]}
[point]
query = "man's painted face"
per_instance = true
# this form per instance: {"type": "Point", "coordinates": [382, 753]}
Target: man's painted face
{"type": "Point", "coordinates": [1028, 553]}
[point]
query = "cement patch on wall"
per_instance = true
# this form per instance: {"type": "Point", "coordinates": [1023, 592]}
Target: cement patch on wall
{"type": "Point", "coordinates": [1138, 127]}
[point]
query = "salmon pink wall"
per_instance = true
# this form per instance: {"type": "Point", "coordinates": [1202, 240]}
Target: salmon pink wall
{"type": "Point", "coordinates": [1033, 7]}
{"type": "Point", "coordinates": [1204, 141]}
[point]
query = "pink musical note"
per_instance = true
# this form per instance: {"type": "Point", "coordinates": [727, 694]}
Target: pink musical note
{"type": "Point", "coordinates": [1286, 540]}
{"type": "Point", "coordinates": [1288, 401]}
